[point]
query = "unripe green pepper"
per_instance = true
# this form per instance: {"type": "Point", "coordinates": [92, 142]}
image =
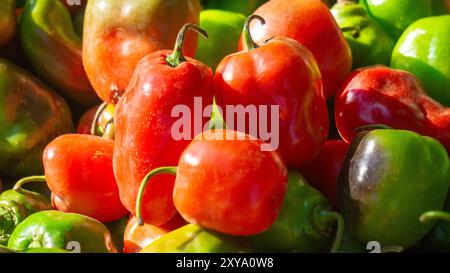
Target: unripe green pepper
{"type": "Point", "coordinates": [31, 115]}
{"type": "Point", "coordinates": [396, 15]}
{"type": "Point", "coordinates": [194, 239]}
{"type": "Point", "coordinates": [56, 229]}
{"type": "Point", "coordinates": [16, 205]}
{"type": "Point", "coordinates": [423, 50]}
{"type": "Point", "coordinates": [305, 223]}
{"type": "Point", "coordinates": [369, 43]}
{"type": "Point", "coordinates": [55, 50]}
{"type": "Point", "coordinates": [388, 179]}
{"type": "Point", "coordinates": [7, 20]}
{"type": "Point", "coordinates": [246, 7]}
{"type": "Point", "coordinates": [224, 29]}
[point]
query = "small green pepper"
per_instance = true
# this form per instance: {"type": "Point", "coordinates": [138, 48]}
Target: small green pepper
{"type": "Point", "coordinates": [16, 205]}
{"type": "Point", "coordinates": [396, 15]}
{"type": "Point", "coordinates": [369, 43]}
{"type": "Point", "coordinates": [423, 50]}
{"type": "Point", "coordinates": [305, 223]}
{"type": "Point", "coordinates": [388, 179]}
{"type": "Point", "coordinates": [31, 115]}
{"type": "Point", "coordinates": [246, 7]}
{"type": "Point", "coordinates": [55, 50]}
{"type": "Point", "coordinates": [194, 239]}
{"type": "Point", "coordinates": [56, 229]}
{"type": "Point", "coordinates": [224, 29]}
{"type": "Point", "coordinates": [7, 20]}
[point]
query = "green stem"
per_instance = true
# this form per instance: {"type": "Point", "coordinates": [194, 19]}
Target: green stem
{"type": "Point", "coordinates": [161, 170]}
{"type": "Point", "coordinates": [98, 113]}
{"type": "Point", "coordinates": [249, 42]}
{"type": "Point", "coordinates": [176, 58]}
{"type": "Point", "coordinates": [435, 215]}
{"type": "Point", "coordinates": [323, 217]}
{"type": "Point", "coordinates": [26, 180]}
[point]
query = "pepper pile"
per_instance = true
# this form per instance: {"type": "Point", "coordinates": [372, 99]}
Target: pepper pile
{"type": "Point", "coordinates": [343, 141]}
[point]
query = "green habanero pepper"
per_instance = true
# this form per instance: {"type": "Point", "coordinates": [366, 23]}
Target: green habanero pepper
{"type": "Point", "coordinates": [7, 20]}
{"type": "Point", "coordinates": [246, 7]}
{"type": "Point", "coordinates": [194, 239]}
{"type": "Point", "coordinates": [305, 223]}
{"type": "Point", "coordinates": [423, 50]}
{"type": "Point", "coordinates": [17, 204]}
{"type": "Point", "coordinates": [369, 43]}
{"type": "Point", "coordinates": [56, 229]}
{"type": "Point", "coordinates": [396, 15]}
{"type": "Point", "coordinates": [388, 179]}
{"type": "Point", "coordinates": [438, 240]}
{"type": "Point", "coordinates": [55, 50]}
{"type": "Point", "coordinates": [224, 29]}
{"type": "Point", "coordinates": [31, 115]}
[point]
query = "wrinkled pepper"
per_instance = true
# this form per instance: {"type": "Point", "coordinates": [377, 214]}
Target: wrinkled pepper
{"type": "Point", "coordinates": [381, 95]}
{"type": "Point", "coordinates": [31, 115]}
{"type": "Point", "coordinates": [144, 122]}
{"type": "Point", "coordinates": [423, 50]}
{"type": "Point", "coordinates": [7, 20]}
{"type": "Point", "coordinates": [396, 15]}
{"type": "Point", "coordinates": [261, 76]}
{"type": "Point", "coordinates": [224, 30]}
{"type": "Point", "coordinates": [306, 222]}
{"type": "Point", "coordinates": [388, 180]}
{"type": "Point", "coordinates": [55, 50]}
{"type": "Point", "coordinates": [16, 205]}
{"type": "Point", "coordinates": [310, 23]}
{"type": "Point", "coordinates": [56, 229]}
{"type": "Point", "coordinates": [118, 34]}
{"type": "Point", "coordinates": [369, 43]}
{"type": "Point", "coordinates": [246, 7]}
{"type": "Point", "coordinates": [194, 239]}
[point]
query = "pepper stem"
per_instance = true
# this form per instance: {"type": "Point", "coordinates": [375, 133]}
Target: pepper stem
{"type": "Point", "coordinates": [325, 217]}
{"type": "Point", "coordinates": [161, 170]}
{"type": "Point", "coordinates": [176, 58]}
{"type": "Point", "coordinates": [98, 113]}
{"type": "Point", "coordinates": [435, 215]}
{"type": "Point", "coordinates": [249, 42]}
{"type": "Point", "coordinates": [26, 180]}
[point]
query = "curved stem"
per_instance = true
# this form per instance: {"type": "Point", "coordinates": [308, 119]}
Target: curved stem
{"type": "Point", "coordinates": [435, 215]}
{"type": "Point", "coordinates": [249, 42]}
{"type": "Point", "coordinates": [371, 127]}
{"type": "Point", "coordinates": [323, 218]}
{"type": "Point", "coordinates": [176, 58]}
{"type": "Point", "coordinates": [109, 132]}
{"type": "Point", "coordinates": [161, 170]}
{"type": "Point", "coordinates": [356, 31]}
{"type": "Point", "coordinates": [98, 113]}
{"type": "Point", "coordinates": [339, 231]}
{"type": "Point", "coordinates": [30, 179]}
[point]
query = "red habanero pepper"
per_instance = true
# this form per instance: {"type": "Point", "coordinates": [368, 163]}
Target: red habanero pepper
{"type": "Point", "coordinates": [79, 173]}
{"type": "Point", "coordinates": [382, 95]}
{"type": "Point", "coordinates": [227, 183]}
{"type": "Point", "coordinates": [262, 76]}
{"type": "Point", "coordinates": [143, 125]}
{"type": "Point", "coordinates": [322, 172]}
{"type": "Point", "coordinates": [311, 23]}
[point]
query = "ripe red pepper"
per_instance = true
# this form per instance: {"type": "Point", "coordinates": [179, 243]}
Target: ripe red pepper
{"type": "Point", "coordinates": [136, 237]}
{"type": "Point", "coordinates": [261, 75]}
{"type": "Point", "coordinates": [322, 172]}
{"type": "Point", "coordinates": [143, 124]}
{"type": "Point", "coordinates": [311, 23]}
{"type": "Point", "coordinates": [381, 95]}
{"type": "Point", "coordinates": [225, 182]}
{"type": "Point", "coordinates": [78, 170]}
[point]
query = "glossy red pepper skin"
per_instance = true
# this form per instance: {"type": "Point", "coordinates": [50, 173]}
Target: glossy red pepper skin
{"type": "Point", "coordinates": [322, 172]}
{"type": "Point", "coordinates": [143, 126]}
{"type": "Point", "coordinates": [311, 23]}
{"type": "Point", "coordinates": [381, 95]}
{"type": "Point", "coordinates": [229, 185]}
{"type": "Point", "coordinates": [291, 80]}
{"type": "Point", "coordinates": [78, 170]}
